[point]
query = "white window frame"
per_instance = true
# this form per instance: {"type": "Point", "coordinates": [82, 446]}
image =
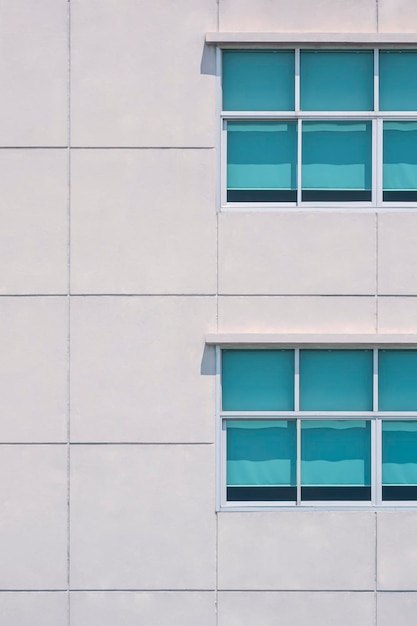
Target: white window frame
{"type": "Point", "coordinates": [375, 416]}
{"type": "Point", "coordinates": [376, 117]}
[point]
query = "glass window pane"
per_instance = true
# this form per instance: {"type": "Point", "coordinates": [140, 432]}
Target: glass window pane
{"type": "Point", "coordinates": [399, 453]}
{"type": "Point", "coordinates": [261, 453]}
{"type": "Point", "coordinates": [400, 161]}
{"type": "Point", "coordinates": [399, 460]}
{"type": "Point", "coordinates": [339, 80]}
{"type": "Point", "coordinates": [336, 380]}
{"type": "Point", "coordinates": [335, 460]}
{"type": "Point", "coordinates": [261, 80]}
{"type": "Point", "coordinates": [258, 380]}
{"type": "Point", "coordinates": [398, 80]}
{"type": "Point", "coordinates": [261, 161]}
{"type": "Point", "coordinates": [337, 161]}
{"type": "Point", "coordinates": [397, 380]}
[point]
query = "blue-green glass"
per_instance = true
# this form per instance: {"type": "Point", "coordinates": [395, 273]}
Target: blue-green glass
{"type": "Point", "coordinates": [336, 380]}
{"type": "Point", "coordinates": [335, 452]}
{"type": "Point", "coordinates": [400, 156]}
{"type": "Point", "coordinates": [337, 80]}
{"type": "Point", "coordinates": [399, 453]}
{"type": "Point", "coordinates": [261, 453]}
{"type": "Point", "coordinates": [261, 155]}
{"type": "Point", "coordinates": [337, 155]}
{"type": "Point", "coordinates": [397, 380]}
{"type": "Point", "coordinates": [258, 380]}
{"type": "Point", "coordinates": [398, 80]}
{"type": "Point", "coordinates": [259, 80]}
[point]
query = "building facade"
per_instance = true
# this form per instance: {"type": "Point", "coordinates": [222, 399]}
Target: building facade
{"type": "Point", "coordinates": [145, 255]}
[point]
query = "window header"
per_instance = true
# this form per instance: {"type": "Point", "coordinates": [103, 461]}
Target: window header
{"type": "Point", "coordinates": [305, 339]}
{"type": "Point", "coordinates": [340, 39]}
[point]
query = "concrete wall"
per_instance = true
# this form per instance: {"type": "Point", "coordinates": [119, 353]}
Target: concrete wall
{"type": "Point", "coordinates": [113, 266]}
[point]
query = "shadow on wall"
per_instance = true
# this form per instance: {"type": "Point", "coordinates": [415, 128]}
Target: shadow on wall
{"type": "Point", "coordinates": [208, 60]}
{"type": "Point", "coordinates": [208, 361]}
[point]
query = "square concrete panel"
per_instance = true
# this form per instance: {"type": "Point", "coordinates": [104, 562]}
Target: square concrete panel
{"type": "Point", "coordinates": [397, 550]}
{"type": "Point", "coordinates": [142, 517]}
{"type": "Point", "coordinates": [397, 608]}
{"type": "Point", "coordinates": [33, 539]}
{"type": "Point", "coordinates": [33, 369]}
{"type": "Point", "coordinates": [33, 221]}
{"type": "Point", "coordinates": [397, 253]}
{"type": "Point", "coordinates": [27, 609]}
{"type": "Point", "coordinates": [326, 16]}
{"type": "Point", "coordinates": [34, 72]}
{"type": "Point", "coordinates": [397, 314]}
{"type": "Point", "coordinates": [140, 73]}
{"type": "Point", "coordinates": [140, 370]}
{"type": "Point", "coordinates": [297, 254]}
{"type": "Point", "coordinates": [160, 608]}
{"type": "Point", "coordinates": [295, 314]}
{"type": "Point", "coordinates": [143, 221]}
{"type": "Point", "coordinates": [397, 16]}
{"type": "Point", "coordinates": [300, 550]}
{"type": "Point", "coordinates": [296, 608]}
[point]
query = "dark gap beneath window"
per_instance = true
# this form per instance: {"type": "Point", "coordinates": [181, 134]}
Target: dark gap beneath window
{"type": "Point", "coordinates": [259, 494]}
{"type": "Point", "coordinates": [261, 195]}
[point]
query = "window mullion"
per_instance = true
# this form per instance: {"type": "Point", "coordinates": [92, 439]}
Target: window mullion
{"type": "Point", "coordinates": [223, 164]}
{"type": "Point", "coordinates": [299, 160]}
{"type": "Point", "coordinates": [379, 161]}
{"type": "Point", "coordinates": [297, 79]}
{"type": "Point", "coordinates": [377, 464]}
{"type": "Point", "coordinates": [298, 471]}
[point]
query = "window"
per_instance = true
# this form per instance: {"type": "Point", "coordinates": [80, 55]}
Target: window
{"type": "Point", "coordinates": [309, 127]}
{"type": "Point", "coordinates": [303, 427]}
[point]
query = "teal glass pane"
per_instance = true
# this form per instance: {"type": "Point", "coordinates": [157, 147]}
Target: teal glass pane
{"type": "Point", "coordinates": [398, 80]}
{"type": "Point", "coordinates": [397, 380]}
{"type": "Point", "coordinates": [336, 380]}
{"type": "Point", "coordinates": [258, 380]}
{"type": "Point", "coordinates": [261, 155]}
{"type": "Point", "coordinates": [260, 80]}
{"type": "Point", "coordinates": [400, 156]}
{"type": "Point", "coordinates": [399, 453]}
{"type": "Point", "coordinates": [337, 155]}
{"type": "Point", "coordinates": [335, 452]}
{"type": "Point", "coordinates": [340, 80]}
{"type": "Point", "coordinates": [261, 453]}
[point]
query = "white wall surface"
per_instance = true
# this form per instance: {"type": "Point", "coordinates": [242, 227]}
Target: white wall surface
{"type": "Point", "coordinates": [114, 264]}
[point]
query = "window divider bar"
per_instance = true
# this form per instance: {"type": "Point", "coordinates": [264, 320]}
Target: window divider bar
{"type": "Point", "coordinates": [297, 79]}
{"type": "Point", "coordinates": [220, 472]}
{"type": "Point", "coordinates": [376, 79]}
{"type": "Point", "coordinates": [375, 380]}
{"type": "Point", "coordinates": [378, 461]}
{"type": "Point", "coordinates": [297, 379]}
{"type": "Point", "coordinates": [379, 147]}
{"type": "Point", "coordinates": [298, 462]}
{"type": "Point", "coordinates": [299, 160]}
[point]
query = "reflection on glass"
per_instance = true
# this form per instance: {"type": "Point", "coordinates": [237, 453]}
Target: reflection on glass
{"type": "Point", "coordinates": [400, 161]}
{"type": "Point", "coordinates": [261, 161]}
{"type": "Point", "coordinates": [335, 460]}
{"type": "Point", "coordinates": [399, 460]}
{"type": "Point", "coordinates": [261, 460]}
{"type": "Point", "coordinates": [337, 161]}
